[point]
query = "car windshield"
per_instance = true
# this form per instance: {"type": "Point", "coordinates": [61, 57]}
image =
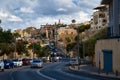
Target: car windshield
{"type": "Point", "coordinates": [6, 61]}
{"type": "Point", "coordinates": [15, 60]}
{"type": "Point", "coordinates": [36, 60]}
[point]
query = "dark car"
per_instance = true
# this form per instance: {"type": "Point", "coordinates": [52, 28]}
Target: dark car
{"type": "Point", "coordinates": [26, 61]}
{"type": "Point", "coordinates": [8, 64]}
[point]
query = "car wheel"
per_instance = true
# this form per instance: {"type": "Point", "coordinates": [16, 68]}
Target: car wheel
{"type": "Point", "coordinates": [2, 69]}
{"type": "Point", "coordinates": [9, 67]}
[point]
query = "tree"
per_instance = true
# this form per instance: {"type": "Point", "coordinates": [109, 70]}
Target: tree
{"type": "Point", "coordinates": [6, 36]}
{"type": "Point", "coordinates": [35, 47]}
{"type": "Point", "coordinates": [73, 21]}
{"type": "Point", "coordinates": [6, 48]}
{"type": "Point", "coordinates": [90, 43]}
{"type": "Point", "coordinates": [70, 46]}
{"type": "Point", "coordinates": [6, 39]}
{"type": "Point", "coordinates": [21, 47]}
{"type": "Point", "coordinates": [45, 51]}
{"type": "Point", "coordinates": [16, 35]}
{"type": "Point", "coordinates": [82, 28]}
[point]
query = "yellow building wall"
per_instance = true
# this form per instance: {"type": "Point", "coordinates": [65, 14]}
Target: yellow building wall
{"type": "Point", "coordinates": [108, 44]}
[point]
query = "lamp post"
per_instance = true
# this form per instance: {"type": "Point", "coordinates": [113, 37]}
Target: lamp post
{"type": "Point", "coordinates": [15, 48]}
{"type": "Point", "coordinates": [78, 50]}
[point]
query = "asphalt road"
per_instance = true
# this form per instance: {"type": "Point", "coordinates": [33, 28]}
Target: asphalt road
{"type": "Point", "coordinates": [50, 71]}
{"type": "Point", "coordinates": [57, 71]}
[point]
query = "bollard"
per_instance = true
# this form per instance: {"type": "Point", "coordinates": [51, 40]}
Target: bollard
{"type": "Point", "coordinates": [107, 73]}
{"type": "Point", "coordinates": [116, 73]}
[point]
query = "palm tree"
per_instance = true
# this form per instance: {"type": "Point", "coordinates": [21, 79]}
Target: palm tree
{"type": "Point", "coordinates": [0, 21]}
{"type": "Point", "coordinates": [73, 21]}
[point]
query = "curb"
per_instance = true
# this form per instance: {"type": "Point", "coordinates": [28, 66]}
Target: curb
{"type": "Point", "coordinates": [96, 74]}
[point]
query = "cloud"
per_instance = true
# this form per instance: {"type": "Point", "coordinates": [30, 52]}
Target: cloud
{"type": "Point", "coordinates": [3, 14]}
{"type": "Point", "coordinates": [14, 18]}
{"type": "Point", "coordinates": [26, 10]}
{"type": "Point", "coordinates": [61, 9]}
{"type": "Point", "coordinates": [24, 13]}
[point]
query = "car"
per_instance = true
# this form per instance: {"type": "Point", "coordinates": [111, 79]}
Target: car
{"type": "Point", "coordinates": [26, 61]}
{"type": "Point", "coordinates": [8, 64]}
{"type": "Point", "coordinates": [17, 62]}
{"type": "Point", "coordinates": [20, 63]}
{"type": "Point", "coordinates": [74, 61]}
{"type": "Point", "coordinates": [1, 65]}
{"type": "Point", "coordinates": [37, 63]}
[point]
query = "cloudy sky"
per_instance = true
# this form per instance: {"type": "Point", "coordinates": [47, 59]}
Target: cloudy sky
{"type": "Point", "coordinates": [19, 14]}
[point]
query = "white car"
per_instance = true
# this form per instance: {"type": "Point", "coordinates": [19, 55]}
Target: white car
{"type": "Point", "coordinates": [17, 62]}
{"type": "Point", "coordinates": [1, 65]}
{"type": "Point", "coordinates": [74, 61]}
{"type": "Point", "coordinates": [20, 63]}
{"type": "Point", "coordinates": [37, 63]}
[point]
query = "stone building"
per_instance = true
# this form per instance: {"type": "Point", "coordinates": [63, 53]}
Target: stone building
{"type": "Point", "coordinates": [100, 18]}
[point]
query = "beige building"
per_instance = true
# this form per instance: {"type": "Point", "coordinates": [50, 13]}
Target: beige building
{"type": "Point", "coordinates": [107, 51]}
{"type": "Point", "coordinates": [64, 32]}
{"type": "Point", "coordinates": [100, 18]}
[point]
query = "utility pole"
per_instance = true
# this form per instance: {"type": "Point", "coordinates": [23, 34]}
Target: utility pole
{"type": "Point", "coordinates": [15, 48]}
{"type": "Point", "coordinates": [33, 50]}
{"type": "Point", "coordinates": [83, 50]}
{"type": "Point", "coordinates": [78, 44]}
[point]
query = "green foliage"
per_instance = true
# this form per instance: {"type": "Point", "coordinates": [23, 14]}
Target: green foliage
{"type": "Point", "coordinates": [82, 28]}
{"type": "Point", "coordinates": [61, 25]}
{"type": "Point", "coordinates": [45, 51]}
{"type": "Point", "coordinates": [16, 35]}
{"type": "Point", "coordinates": [90, 43]}
{"type": "Point", "coordinates": [6, 36]}
{"type": "Point", "coordinates": [21, 47]}
{"type": "Point", "coordinates": [6, 39]}
{"type": "Point", "coordinates": [6, 48]}
{"type": "Point", "coordinates": [73, 20]}
{"type": "Point", "coordinates": [70, 46]}
{"type": "Point", "coordinates": [35, 47]}
{"type": "Point", "coordinates": [40, 51]}
{"type": "Point", "coordinates": [68, 39]}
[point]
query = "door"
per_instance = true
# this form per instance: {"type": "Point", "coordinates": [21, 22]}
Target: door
{"type": "Point", "coordinates": [107, 60]}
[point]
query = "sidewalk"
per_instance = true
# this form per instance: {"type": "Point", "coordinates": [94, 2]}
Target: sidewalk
{"type": "Point", "coordinates": [94, 71]}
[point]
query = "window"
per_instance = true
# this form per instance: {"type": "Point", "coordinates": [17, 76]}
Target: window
{"type": "Point", "coordinates": [102, 15]}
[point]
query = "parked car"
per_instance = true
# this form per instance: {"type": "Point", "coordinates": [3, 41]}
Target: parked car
{"type": "Point", "coordinates": [8, 64]}
{"type": "Point", "coordinates": [26, 61]}
{"type": "Point", "coordinates": [37, 63]}
{"type": "Point", "coordinates": [17, 62]}
{"type": "Point", "coordinates": [74, 61]}
{"type": "Point", "coordinates": [1, 65]}
{"type": "Point", "coordinates": [20, 63]}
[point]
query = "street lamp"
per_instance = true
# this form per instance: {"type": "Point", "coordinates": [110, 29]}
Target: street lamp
{"type": "Point", "coordinates": [78, 38]}
{"type": "Point", "coordinates": [15, 47]}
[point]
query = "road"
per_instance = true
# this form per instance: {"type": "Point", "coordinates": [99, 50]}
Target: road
{"type": "Point", "coordinates": [50, 71]}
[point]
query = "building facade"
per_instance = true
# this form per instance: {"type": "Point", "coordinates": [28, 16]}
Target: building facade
{"type": "Point", "coordinates": [107, 51]}
{"type": "Point", "coordinates": [114, 17]}
{"type": "Point", "coordinates": [100, 18]}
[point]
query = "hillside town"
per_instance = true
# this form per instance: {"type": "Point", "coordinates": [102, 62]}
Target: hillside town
{"type": "Point", "coordinates": [85, 50]}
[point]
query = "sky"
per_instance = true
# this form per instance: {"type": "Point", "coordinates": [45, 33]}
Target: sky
{"type": "Point", "coordinates": [20, 14]}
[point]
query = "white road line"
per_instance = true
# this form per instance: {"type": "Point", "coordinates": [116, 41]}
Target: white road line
{"type": "Point", "coordinates": [38, 72]}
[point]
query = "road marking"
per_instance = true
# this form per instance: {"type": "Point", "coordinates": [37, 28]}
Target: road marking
{"type": "Point", "coordinates": [38, 72]}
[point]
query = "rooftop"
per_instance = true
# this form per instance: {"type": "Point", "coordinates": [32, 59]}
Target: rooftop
{"type": "Point", "coordinates": [106, 1]}
{"type": "Point", "coordinates": [100, 7]}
